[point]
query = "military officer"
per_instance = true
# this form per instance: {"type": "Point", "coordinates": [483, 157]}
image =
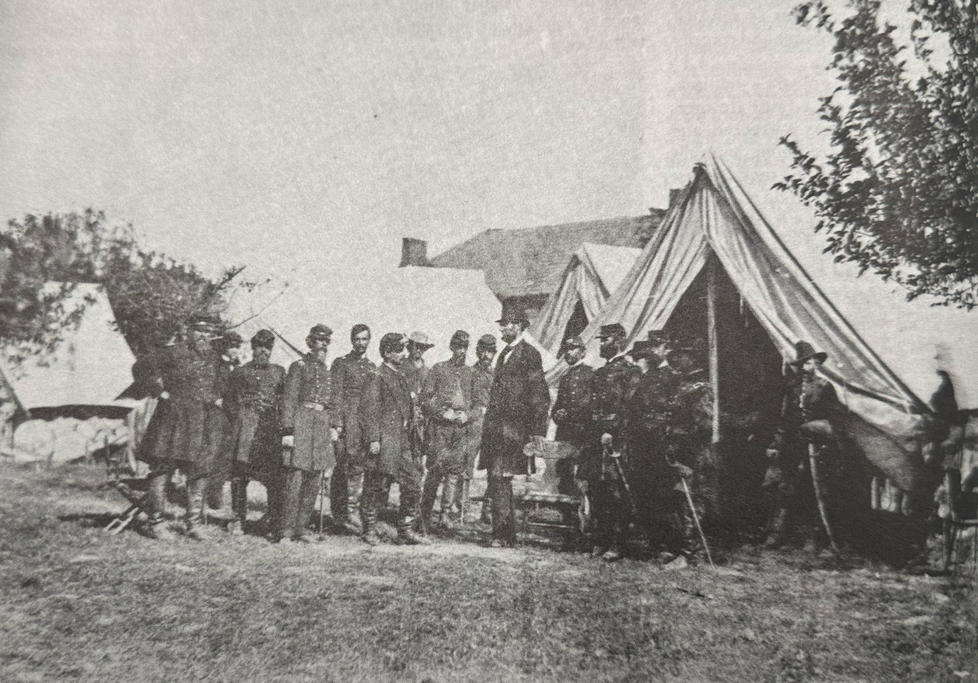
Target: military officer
{"type": "Point", "coordinates": [386, 417]}
{"type": "Point", "coordinates": [349, 374]}
{"type": "Point", "coordinates": [307, 434]}
{"type": "Point", "coordinates": [188, 425]}
{"type": "Point", "coordinates": [572, 410]}
{"type": "Point", "coordinates": [485, 351]}
{"type": "Point", "coordinates": [599, 475]}
{"type": "Point", "coordinates": [446, 398]}
{"type": "Point", "coordinates": [228, 346]}
{"type": "Point", "coordinates": [809, 416]}
{"type": "Point", "coordinates": [253, 400]}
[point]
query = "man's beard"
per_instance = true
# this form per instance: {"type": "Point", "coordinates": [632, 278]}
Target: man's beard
{"type": "Point", "coordinates": [609, 351]}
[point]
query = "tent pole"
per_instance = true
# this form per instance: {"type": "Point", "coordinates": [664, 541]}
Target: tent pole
{"type": "Point", "coordinates": [711, 318]}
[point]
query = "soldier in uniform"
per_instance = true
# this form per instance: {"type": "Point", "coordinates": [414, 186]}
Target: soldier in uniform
{"type": "Point", "coordinates": [350, 374]}
{"type": "Point", "coordinates": [519, 404]}
{"type": "Point", "coordinates": [386, 418]}
{"type": "Point", "coordinates": [307, 435]}
{"type": "Point", "coordinates": [188, 425]}
{"type": "Point", "coordinates": [809, 416]}
{"type": "Point", "coordinates": [253, 398]}
{"type": "Point", "coordinates": [485, 351]}
{"type": "Point", "coordinates": [228, 347]}
{"type": "Point", "coordinates": [446, 398]}
{"type": "Point", "coordinates": [599, 475]}
{"type": "Point", "coordinates": [572, 410]}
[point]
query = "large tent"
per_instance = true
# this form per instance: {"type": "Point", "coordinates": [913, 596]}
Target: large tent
{"type": "Point", "coordinates": [436, 301]}
{"type": "Point", "coordinates": [718, 271]}
{"type": "Point", "coordinates": [593, 272]}
{"type": "Point", "coordinates": [89, 366]}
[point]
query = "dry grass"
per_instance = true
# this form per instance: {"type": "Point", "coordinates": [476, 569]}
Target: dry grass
{"type": "Point", "coordinates": [78, 603]}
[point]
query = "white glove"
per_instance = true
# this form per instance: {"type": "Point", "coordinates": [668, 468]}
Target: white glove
{"type": "Point", "coordinates": [288, 441]}
{"type": "Point", "coordinates": [334, 434]}
{"type": "Point", "coordinates": [448, 415]}
{"type": "Point", "coordinates": [606, 440]}
{"type": "Point", "coordinates": [164, 395]}
{"type": "Point", "coordinates": [219, 403]}
{"type": "Point", "coordinates": [374, 447]}
{"type": "Point", "coordinates": [461, 417]}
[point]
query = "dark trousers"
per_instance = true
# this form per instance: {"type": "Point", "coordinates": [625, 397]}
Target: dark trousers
{"type": "Point", "coordinates": [501, 496]}
{"type": "Point", "coordinates": [240, 476]}
{"type": "Point", "coordinates": [376, 486]}
{"type": "Point", "coordinates": [195, 497]}
{"type": "Point", "coordinates": [299, 489]}
{"type": "Point", "coordinates": [609, 514]}
{"type": "Point", "coordinates": [346, 484]}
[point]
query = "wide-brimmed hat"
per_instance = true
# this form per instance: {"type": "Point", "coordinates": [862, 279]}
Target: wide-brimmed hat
{"type": "Point", "coordinates": [419, 338]}
{"type": "Point", "coordinates": [612, 331]}
{"type": "Point", "coordinates": [804, 351]}
{"type": "Point", "coordinates": [513, 313]}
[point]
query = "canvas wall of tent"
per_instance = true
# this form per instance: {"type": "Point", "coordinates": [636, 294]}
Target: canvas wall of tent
{"type": "Point", "coordinates": [64, 402]}
{"type": "Point", "coordinates": [764, 301]}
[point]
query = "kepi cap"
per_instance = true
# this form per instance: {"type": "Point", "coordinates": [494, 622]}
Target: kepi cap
{"type": "Point", "coordinates": [487, 341]}
{"type": "Point", "coordinates": [321, 332]}
{"type": "Point", "coordinates": [263, 338]}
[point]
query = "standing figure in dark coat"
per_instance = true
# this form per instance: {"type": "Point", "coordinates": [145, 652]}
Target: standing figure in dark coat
{"type": "Point", "coordinates": [228, 347]}
{"type": "Point", "coordinates": [518, 409]}
{"type": "Point", "coordinates": [307, 434]}
{"type": "Point", "coordinates": [386, 418]}
{"type": "Point", "coordinates": [188, 427]}
{"type": "Point", "coordinates": [572, 412]}
{"type": "Point", "coordinates": [611, 387]}
{"type": "Point", "coordinates": [809, 416]}
{"type": "Point", "coordinates": [446, 398]}
{"type": "Point", "coordinates": [350, 373]}
{"type": "Point", "coordinates": [253, 401]}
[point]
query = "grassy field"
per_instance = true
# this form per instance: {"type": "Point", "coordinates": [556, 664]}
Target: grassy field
{"type": "Point", "coordinates": [78, 603]}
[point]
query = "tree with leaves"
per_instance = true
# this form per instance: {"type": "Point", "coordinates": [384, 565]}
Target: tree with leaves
{"type": "Point", "coordinates": [152, 295]}
{"type": "Point", "coordinates": [897, 192]}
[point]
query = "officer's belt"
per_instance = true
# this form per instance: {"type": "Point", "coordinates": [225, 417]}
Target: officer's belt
{"type": "Point", "coordinates": [314, 406]}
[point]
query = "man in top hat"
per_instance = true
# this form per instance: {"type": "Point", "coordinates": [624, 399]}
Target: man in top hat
{"type": "Point", "coordinates": [810, 414]}
{"type": "Point", "coordinates": [519, 403]}
{"type": "Point", "coordinates": [571, 410]}
{"type": "Point", "coordinates": [350, 373]}
{"type": "Point", "coordinates": [307, 434]}
{"type": "Point", "coordinates": [253, 400]}
{"type": "Point", "coordinates": [188, 425]}
{"type": "Point", "coordinates": [482, 374]}
{"type": "Point", "coordinates": [386, 418]}
{"type": "Point", "coordinates": [446, 398]}
{"type": "Point", "coordinates": [611, 387]}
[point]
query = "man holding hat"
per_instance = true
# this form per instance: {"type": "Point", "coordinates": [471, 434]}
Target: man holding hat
{"type": "Point", "coordinates": [386, 418]}
{"type": "Point", "coordinates": [350, 373]}
{"type": "Point", "coordinates": [446, 399]}
{"type": "Point", "coordinates": [188, 424]}
{"type": "Point", "coordinates": [519, 404]}
{"type": "Point", "coordinates": [809, 415]}
{"type": "Point", "coordinates": [252, 401]}
{"type": "Point", "coordinates": [611, 387]}
{"type": "Point", "coordinates": [307, 434]}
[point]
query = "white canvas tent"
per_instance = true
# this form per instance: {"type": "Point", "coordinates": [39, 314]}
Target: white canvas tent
{"type": "Point", "coordinates": [715, 235]}
{"type": "Point", "coordinates": [593, 272]}
{"type": "Point", "coordinates": [437, 301]}
{"type": "Point", "coordinates": [91, 365]}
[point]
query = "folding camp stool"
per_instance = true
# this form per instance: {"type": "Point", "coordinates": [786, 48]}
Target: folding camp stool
{"type": "Point", "coordinates": [136, 491]}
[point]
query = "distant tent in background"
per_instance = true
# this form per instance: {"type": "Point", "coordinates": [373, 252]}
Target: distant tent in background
{"type": "Point", "coordinates": [717, 270]}
{"type": "Point", "coordinates": [437, 301]}
{"type": "Point", "coordinates": [78, 381]}
{"type": "Point", "coordinates": [592, 274]}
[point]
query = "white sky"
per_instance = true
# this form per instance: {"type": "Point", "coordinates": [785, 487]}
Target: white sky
{"type": "Point", "coordinates": [275, 133]}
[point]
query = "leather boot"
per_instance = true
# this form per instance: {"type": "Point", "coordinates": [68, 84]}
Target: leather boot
{"type": "Point", "coordinates": [352, 525]}
{"type": "Point", "coordinates": [775, 537]}
{"type": "Point", "coordinates": [157, 529]}
{"type": "Point", "coordinates": [369, 534]}
{"type": "Point", "coordinates": [447, 498]}
{"type": "Point", "coordinates": [309, 489]}
{"type": "Point", "coordinates": [291, 502]}
{"type": "Point", "coordinates": [406, 535]}
{"type": "Point", "coordinates": [194, 519]}
{"type": "Point", "coordinates": [428, 496]}
{"type": "Point", "coordinates": [239, 506]}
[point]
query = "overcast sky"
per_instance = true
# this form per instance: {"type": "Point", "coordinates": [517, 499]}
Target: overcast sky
{"type": "Point", "coordinates": [270, 133]}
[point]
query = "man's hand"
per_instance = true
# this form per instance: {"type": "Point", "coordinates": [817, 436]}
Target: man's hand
{"type": "Point", "coordinates": [606, 440]}
{"type": "Point", "coordinates": [461, 417]}
{"type": "Point", "coordinates": [334, 434]}
{"type": "Point", "coordinates": [219, 403]}
{"type": "Point", "coordinates": [374, 448]}
{"type": "Point", "coordinates": [288, 441]}
{"type": "Point", "coordinates": [164, 395]}
{"type": "Point", "coordinates": [448, 415]}
{"type": "Point", "coordinates": [582, 485]}
{"type": "Point", "coordinates": [772, 453]}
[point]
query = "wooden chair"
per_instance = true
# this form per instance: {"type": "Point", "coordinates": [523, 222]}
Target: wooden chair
{"type": "Point", "coordinates": [962, 514]}
{"type": "Point", "coordinates": [554, 473]}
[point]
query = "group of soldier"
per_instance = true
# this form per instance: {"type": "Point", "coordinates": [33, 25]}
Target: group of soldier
{"type": "Point", "coordinates": [639, 425]}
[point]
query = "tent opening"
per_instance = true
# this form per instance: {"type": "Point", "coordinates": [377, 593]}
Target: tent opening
{"type": "Point", "coordinates": [577, 322]}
